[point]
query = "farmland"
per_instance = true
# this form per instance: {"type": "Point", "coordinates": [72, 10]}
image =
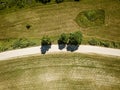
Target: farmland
{"type": "Point", "coordinates": [65, 71]}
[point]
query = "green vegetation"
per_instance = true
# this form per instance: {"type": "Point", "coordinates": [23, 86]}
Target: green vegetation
{"type": "Point", "coordinates": [55, 19]}
{"type": "Point", "coordinates": [22, 43]}
{"type": "Point", "coordinates": [46, 41]}
{"type": "Point", "coordinates": [91, 18]}
{"type": "Point", "coordinates": [8, 44]}
{"type": "Point", "coordinates": [3, 48]}
{"type": "Point", "coordinates": [93, 42]}
{"type": "Point", "coordinates": [65, 71]}
{"type": "Point", "coordinates": [8, 4]}
{"type": "Point", "coordinates": [98, 42]}
{"type": "Point", "coordinates": [63, 39]}
{"type": "Point", "coordinates": [75, 38]}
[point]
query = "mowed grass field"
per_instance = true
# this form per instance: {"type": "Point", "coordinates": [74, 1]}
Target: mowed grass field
{"type": "Point", "coordinates": [67, 71]}
{"type": "Point", "coordinates": [54, 19]}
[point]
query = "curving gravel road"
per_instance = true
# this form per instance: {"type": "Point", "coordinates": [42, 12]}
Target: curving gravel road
{"type": "Point", "coordinates": [55, 48]}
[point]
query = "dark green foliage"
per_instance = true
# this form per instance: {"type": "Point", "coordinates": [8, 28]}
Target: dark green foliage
{"type": "Point", "coordinates": [44, 1]}
{"type": "Point", "coordinates": [77, 0]}
{"type": "Point", "coordinates": [2, 5]}
{"type": "Point", "coordinates": [22, 3]}
{"type": "Point", "coordinates": [91, 18]}
{"type": "Point", "coordinates": [63, 39]}
{"type": "Point", "coordinates": [78, 36]}
{"type": "Point", "coordinates": [15, 3]}
{"type": "Point", "coordinates": [22, 43]}
{"type": "Point", "coordinates": [45, 41]}
{"type": "Point", "coordinates": [75, 38]}
{"type": "Point", "coordinates": [59, 1]}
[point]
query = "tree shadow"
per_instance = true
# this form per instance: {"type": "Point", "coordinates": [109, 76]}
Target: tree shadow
{"type": "Point", "coordinates": [72, 48]}
{"type": "Point", "coordinates": [45, 48]}
{"type": "Point", "coordinates": [61, 46]}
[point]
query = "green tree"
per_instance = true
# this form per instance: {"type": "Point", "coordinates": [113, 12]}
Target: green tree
{"type": "Point", "coordinates": [45, 41]}
{"type": "Point", "coordinates": [75, 38]}
{"type": "Point", "coordinates": [63, 39]}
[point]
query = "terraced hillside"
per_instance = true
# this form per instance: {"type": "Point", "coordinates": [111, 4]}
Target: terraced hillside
{"type": "Point", "coordinates": [54, 19]}
{"type": "Point", "coordinates": [70, 71]}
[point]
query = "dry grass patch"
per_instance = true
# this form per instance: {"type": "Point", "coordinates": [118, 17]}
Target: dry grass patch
{"type": "Point", "coordinates": [54, 19]}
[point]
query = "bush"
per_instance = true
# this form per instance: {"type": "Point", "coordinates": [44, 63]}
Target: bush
{"type": "Point", "coordinates": [63, 39]}
{"type": "Point", "coordinates": [105, 44]}
{"type": "Point", "coordinates": [2, 5]}
{"type": "Point", "coordinates": [45, 41]}
{"type": "Point", "coordinates": [28, 26]}
{"type": "Point", "coordinates": [75, 38]}
{"type": "Point", "coordinates": [3, 48]}
{"type": "Point", "coordinates": [22, 43]}
{"type": "Point", "coordinates": [93, 42]}
{"type": "Point", "coordinates": [115, 44]}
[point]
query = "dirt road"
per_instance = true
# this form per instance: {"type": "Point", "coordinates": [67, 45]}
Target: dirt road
{"type": "Point", "coordinates": [55, 48]}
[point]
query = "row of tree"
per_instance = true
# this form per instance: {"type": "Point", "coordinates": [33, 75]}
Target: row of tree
{"type": "Point", "coordinates": [48, 1]}
{"type": "Point", "coordinates": [71, 39]}
{"type": "Point", "coordinates": [21, 3]}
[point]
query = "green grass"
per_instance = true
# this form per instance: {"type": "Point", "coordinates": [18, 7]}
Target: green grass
{"type": "Point", "coordinates": [54, 19]}
{"type": "Point", "coordinates": [71, 71]}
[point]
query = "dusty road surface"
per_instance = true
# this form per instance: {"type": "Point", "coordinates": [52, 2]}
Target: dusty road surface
{"type": "Point", "coordinates": [55, 48]}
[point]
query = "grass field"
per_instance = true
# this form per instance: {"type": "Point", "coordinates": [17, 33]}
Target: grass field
{"type": "Point", "coordinates": [70, 71]}
{"type": "Point", "coordinates": [54, 19]}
